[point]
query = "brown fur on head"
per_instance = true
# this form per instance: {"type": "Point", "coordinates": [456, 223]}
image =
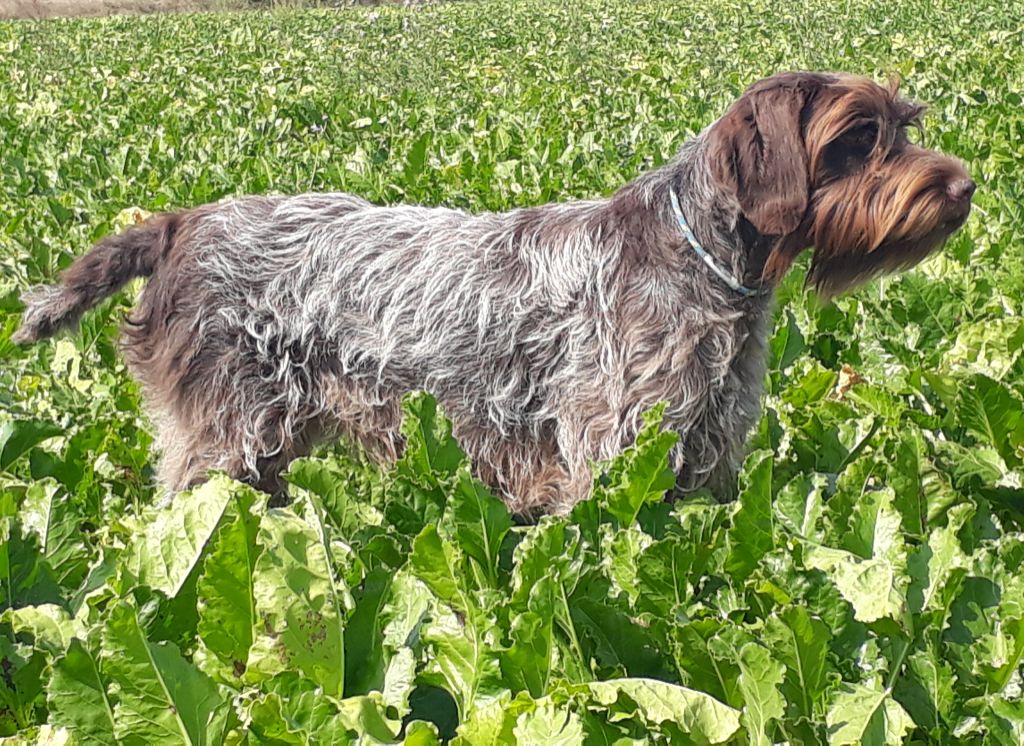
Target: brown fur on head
{"type": "Point", "coordinates": [824, 161]}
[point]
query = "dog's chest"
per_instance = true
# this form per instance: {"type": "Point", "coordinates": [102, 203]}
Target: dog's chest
{"type": "Point", "coordinates": [715, 391]}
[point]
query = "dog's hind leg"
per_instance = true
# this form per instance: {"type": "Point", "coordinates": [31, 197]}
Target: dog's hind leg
{"type": "Point", "coordinates": [224, 401]}
{"type": "Point", "coordinates": [219, 440]}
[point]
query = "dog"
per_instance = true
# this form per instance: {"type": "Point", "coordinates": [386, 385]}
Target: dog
{"type": "Point", "coordinates": [269, 324]}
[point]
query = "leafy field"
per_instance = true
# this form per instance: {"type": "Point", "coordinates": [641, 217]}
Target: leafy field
{"type": "Point", "coordinates": [865, 588]}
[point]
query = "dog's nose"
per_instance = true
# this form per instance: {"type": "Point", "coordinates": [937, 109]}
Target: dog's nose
{"type": "Point", "coordinates": [961, 190]}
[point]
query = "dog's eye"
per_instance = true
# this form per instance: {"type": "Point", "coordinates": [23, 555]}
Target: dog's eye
{"type": "Point", "coordinates": [859, 141]}
{"type": "Point", "coordinates": [850, 151]}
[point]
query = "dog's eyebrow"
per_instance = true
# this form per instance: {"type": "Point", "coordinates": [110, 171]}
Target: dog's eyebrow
{"type": "Point", "coordinates": [909, 113]}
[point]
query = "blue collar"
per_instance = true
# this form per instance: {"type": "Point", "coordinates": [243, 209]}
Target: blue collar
{"type": "Point", "coordinates": [726, 276]}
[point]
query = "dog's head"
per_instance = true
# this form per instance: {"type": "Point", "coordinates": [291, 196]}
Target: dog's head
{"type": "Point", "coordinates": [824, 161]}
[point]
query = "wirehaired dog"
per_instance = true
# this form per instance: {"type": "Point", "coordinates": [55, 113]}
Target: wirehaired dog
{"type": "Point", "coordinates": [270, 323]}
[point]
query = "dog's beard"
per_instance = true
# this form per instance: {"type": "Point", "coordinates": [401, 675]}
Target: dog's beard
{"type": "Point", "coordinates": [879, 224]}
{"type": "Point", "coordinates": [832, 275]}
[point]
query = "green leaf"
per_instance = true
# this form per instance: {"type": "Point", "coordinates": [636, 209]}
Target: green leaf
{"type": "Point", "coordinates": [420, 481]}
{"type": "Point", "coordinates": [50, 626]}
{"type": "Point", "coordinates": [399, 682]}
{"type": "Point", "coordinates": [417, 157]}
{"type": "Point", "coordinates": [49, 511]}
{"type": "Point", "coordinates": [875, 528]}
{"type": "Point", "coordinates": [865, 715]}
{"type": "Point", "coordinates": [972, 618]}
{"type": "Point", "coordinates": [603, 637]}
{"type": "Point", "coordinates": [787, 343]}
{"type": "Point", "coordinates": [174, 540]}
{"type": "Point", "coordinates": [430, 450]}
{"type": "Point", "coordinates": [552, 547]}
{"type": "Point", "coordinates": [989, 347]}
{"type": "Point", "coordinates": [969, 468]}
{"type": "Point", "coordinates": [25, 576]}
{"type": "Point", "coordinates": [753, 525]}
{"type": "Point", "coordinates": [801, 642]}
{"type": "Point", "coordinates": [871, 572]}
{"type": "Point", "coordinates": [460, 634]}
{"type": "Point", "coordinates": [871, 586]}
{"type": "Point", "coordinates": [656, 702]}
{"type": "Point", "coordinates": [664, 573]}
{"type": "Point", "coordinates": [700, 524]}
{"type": "Point", "coordinates": [463, 657]}
{"type": "Point", "coordinates": [365, 715]}
{"type": "Point", "coordinates": [547, 567]}
{"type": "Point", "coordinates": [226, 589]}
{"type": "Point", "coordinates": [17, 437]}
{"type": "Point", "coordinates": [760, 676]}
{"type": "Point", "coordinates": [904, 475]}
{"type": "Point", "coordinates": [926, 690]}
{"type": "Point", "coordinates": [478, 521]}
{"type": "Point", "coordinates": [421, 733]}
{"type": "Point", "coordinates": [77, 697]}
{"type": "Point", "coordinates": [1000, 651]}
{"type": "Point", "coordinates": [641, 474]}
{"type": "Point", "coordinates": [799, 505]}
{"type": "Point", "coordinates": [159, 696]}
{"type": "Point", "coordinates": [706, 660]}
{"type": "Point", "coordinates": [942, 560]}
{"type": "Point", "coordinates": [435, 561]}
{"type": "Point", "coordinates": [290, 710]}
{"type": "Point", "coordinates": [989, 410]}
{"type": "Point", "coordinates": [526, 663]}
{"type": "Point", "coordinates": [1001, 719]}
{"type": "Point", "coordinates": [365, 659]}
{"type": "Point", "coordinates": [62, 214]}
{"type": "Point", "coordinates": [298, 601]}
{"type": "Point", "coordinates": [811, 387]}
{"type": "Point", "coordinates": [20, 685]}
{"type": "Point", "coordinates": [547, 725]}
{"type": "Point", "coordinates": [332, 483]}
{"type": "Point", "coordinates": [408, 602]}
{"type": "Point", "coordinates": [875, 400]}
{"type": "Point", "coordinates": [492, 723]}
{"type": "Point", "coordinates": [620, 552]}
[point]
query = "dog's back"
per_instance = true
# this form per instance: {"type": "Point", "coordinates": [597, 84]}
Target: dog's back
{"type": "Point", "coordinates": [266, 321]}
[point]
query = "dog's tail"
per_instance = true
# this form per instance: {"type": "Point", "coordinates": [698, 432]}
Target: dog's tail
{"type": "Point", "coordinates": [102, 272]}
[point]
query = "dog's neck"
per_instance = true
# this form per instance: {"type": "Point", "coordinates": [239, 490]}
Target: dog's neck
{"type": "Point", "coordinates": [712, 264]}
{"type": "Point", "coordinates": [733, 243]}
{"type": "Point", "coordinates": [715, 219]}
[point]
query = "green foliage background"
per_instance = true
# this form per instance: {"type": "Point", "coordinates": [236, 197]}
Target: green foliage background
{"type": "Point", "coordinates": [864, 589]}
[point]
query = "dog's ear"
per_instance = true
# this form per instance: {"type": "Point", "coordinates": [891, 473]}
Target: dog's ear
{"type": "Point", "coordinates": [758, 154]}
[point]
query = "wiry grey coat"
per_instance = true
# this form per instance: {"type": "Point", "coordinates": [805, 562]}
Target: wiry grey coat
{"type": "Point", "coordinates": [269, 323]}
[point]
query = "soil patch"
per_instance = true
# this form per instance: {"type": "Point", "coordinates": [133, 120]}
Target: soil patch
{"type": "Point", "coordinates": [73, 8]}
